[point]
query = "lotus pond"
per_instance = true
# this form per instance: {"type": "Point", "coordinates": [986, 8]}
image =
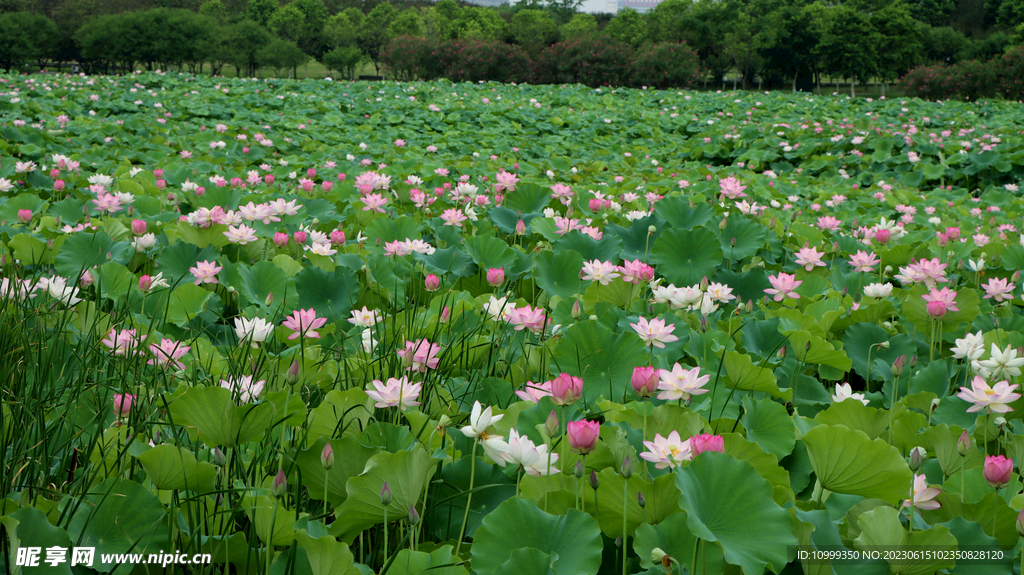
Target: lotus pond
{"type": "Point", "coordinates": [332, 328]}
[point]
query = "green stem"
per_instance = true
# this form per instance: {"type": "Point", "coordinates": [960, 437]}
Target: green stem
{"type": "Point", "coordinates": [469, 498]}
{"type": "Point", "coordinates": [565, 436]}
{"type": "Point", "coordinates": [327, 475]}
{"type": "Point", "coordinates": [645, 435]}
{"type": "Point", "coordinates": [625, 502]}
{"type": "Point", "coordinates": [962, 499]}
{"type": "Point", "coordinates": [385, 535]}
{"type": "Point", "coordinates": [270, 533]}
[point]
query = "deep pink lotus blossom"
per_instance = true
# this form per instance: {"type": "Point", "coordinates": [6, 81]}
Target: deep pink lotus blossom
{"type": "Point", "coordinates": [636, 271]}
{"type": "Point", "coordinates": [645, 380]}
{"type": "Point", "coordinates": [431, 283]}
{"type": "Point", "coordinates": [535, 391]}
{"type": "Point", "coordinates": [123, 404]}
{"type": "Point", "coordinates": [940, 301]}
{"type": "Point", "coordinates": [529, 318]}
{"type": "Point", "coordinates": [495, 276]}
{"type": "Point", "coordinates": [706, 442]}
{"type": "Point", "coordinates": [419, 355]}
{"type": "Point", "coordinates": [566, 389]}
{"type": "Point", "coordinates": [583, 435]}
{"type": "Point", "coordinates": [305, 323]}
{"type": "Point", "coordinates": [998, 470]}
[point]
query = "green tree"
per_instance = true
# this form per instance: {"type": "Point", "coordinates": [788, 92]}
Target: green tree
{"type": "Point", "coordinates": [849, 45]}
{"type": "Point", "coordinates": [214, 9]}
{"type": "Point", "coordinates": [665, 22]}
{"type": "Point", "coordinates": [340, 31]}
{"type": "Point", "coordinates": [902, 37]}
{"type": "Point", "coordinates": [287, 23]}
{"type": "Point", "coordinates": [580, 25]}
{"type": "Point", "coordinates": [242, 43]}
{"type": "Point", "coordinates": [705, 27]}
{"type": "Point", "coordinates": [534, 30]}
{"type": "Point", "coordinates": [628, 27]}
{"type": "Point", "coordinates": [260, 11]}
{"type": "Point", "coordinates": [407, 23]}
{"type": "Point", "coordinates": [792, 51]}
{"type": "Point", "coordinates": [479, 23]}
{"type": "Point", "coordinates": [345, 60]}
{"type": "Point", "coordinates": [282, 55]}
{"type": "Point", "coordinates": [943, 44]}
{"type": "Point", "coordinates": [932, 12]}
{"type": "Point", "coordinates": [311, 39]}
{"type": "Point", "coordinates": [374, 33]}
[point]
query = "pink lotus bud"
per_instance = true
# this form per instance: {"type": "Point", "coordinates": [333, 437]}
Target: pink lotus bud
{"type": "Point", "coordinates": [998, 470]}
{"type": "Point", "coordinates": [341, 177]}
{"type": "Point", "coordinates": [307, 186]}
{"type": "Point", "coordinates": [595, 204]}
{"type": "Point", "coordinates": [54, 173]}
{"type": "Point", "coordinates": [953, 233]}
{"type": "Point", "coordinates": [24, 216]}
{"type": "Point", "coordinates": [515, 166]}
{"type": "Point", "coordinates": [936, 308]}
{"type": "Point", "coordinates": [138, 227]}
{"type": "Point", "coordinates": [123, 404]}
{"type": "Point", "coordinates": [551, 424]}
{"type": "Point", "coordinates": [280, 239]}
{"type": "Point", "coordinates": [245, 149]}
{"type": "Point", "coordinates": [566, 389]}
{"type": "Point", "coordinates": [327, 456]}
{"type": "Point", "coordinates": [898, 365]}
{"type": "Point", "coordinates": [326, 185]}
{"type": "Point", "coordinates": [300, 237]}
{"type": "Point", "coordinates": [87, 279]}
{"type": "Point", "coordinates": [446, 314]}
{"type": "Point", "coordinates": [645, 380]}
{"type": "Point", "coordinates": [431, 283]}
{"type": "Point", "coordinates": [365, 189]}
{"type": "Point", "coordinates": [385, 494]}
{"type": "Point", "coordinates": [280, 486]}
{"type": "Point", "coordinates": [521, 228]}
{"type": "Point", "coordinates": [447, 186]}
{"type": "Point", "coordinates": [311, 173]}
{"type": "Point", "coordinates": [145, 282]}
{"type": "Point", "coordinates": [269, 179]}
{"type": "Point", "coordinates": [158, 173]}
{"type": "Point", "coordinates": [495, 276]}
{"type": "Point", "coordinates": [236, 182]}
{"type": "Point", "coordinates": [200, 191]}
{"type": "Point", "coordinates": [583, 435]}
{"type": "Point", "coordinates": [706, 442]}
{"type": "Point", "coordinates": [882, 236]}
{"type": "Point", "coordinates": [293, 371]}
{"type": "Point", "coordinates": [269, 300]}
{"type": "Point", "coordinates": [58, 185]}
{"type": "Point", "coordinates": [943, 239]}
{"type": "Point", "coordinates": [337, 237]}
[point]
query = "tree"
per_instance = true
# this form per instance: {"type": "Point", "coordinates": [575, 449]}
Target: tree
{"type": "Point", "coordinates": [407, 23]}
{"type": "Point", "coordinates": [345, 60]}
{"type": "Point", "coordinates": [534, 30]}
{"type": "Point", "coordinates": [282, 54]}
{"type": "Point", "coordinates": [339, 31]}
{"type": "Point", "coordinates": [901, 35]}
{"type": "Point", "coordinates": [287, 23]}
{"type": "Point", "coordinates": [849, 45]}
{"type": "Point", "coordinates": [260, 11]}
{"type": "Point", "coordinates": [479, 23]}
{"type": "Point", "coordinates": [581, 25]}
{"type": "Point", "coordinates": [312, 40]}
{"type": "Point", "coordinates": [374, 33]}
{"type": "Point", "coordinates": [795, 44]}
{"type": "Point", "coordinates": [664, 23]}
{"type": "Point", "coordinates": [26, 37]}
{"type": "Point", "coordinates": [243, 43]}
{"type": "Point", "coordinates": [628, 27]}
{"type": "Point", "coordinates": [943, 44]}
{"type": "Point", "coordinates": [932, 12]}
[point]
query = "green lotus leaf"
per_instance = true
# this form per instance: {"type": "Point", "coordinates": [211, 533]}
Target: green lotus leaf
{"type": "Point", "coordinates": [881, 527]}
{"type": "Point", "coordinates": [848, 461]}
{"type": "Point", "coordinates": [687, 256]}
{"type": "Point", "coordinates": [674, 538]}
{"type": "Point", "coordinates": [170, 467]}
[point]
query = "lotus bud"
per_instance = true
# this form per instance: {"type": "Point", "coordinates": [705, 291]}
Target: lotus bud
{"type": "Point", "coordinates": [732, 242]}
{"type": "Point", "coordinates": [651, 229]}
{"type": "Point", "coordinates": [704, 284]}
{"type": "Point", "coordinates": [145, 282]}
{"type": "Point", "coordinates": [884, 345]}
{"type": "Point", "coordinates": [280, 239]}
{"type": "Point", "coordinates": [963, 445]}
{"type": "Point", "coordinates": [641, 501]}
{"type": "Point", "coordinates": [24, 216]}
{"type": "Point", "coordinates": [87, 279]}
{"type": "Point", "coordinates": [781, 354]}
{"type": "Point", "coordinates": [431, 283]}
{"type": "Point", "coordinates": [627, 468]}
{"type": "Point", "coordinates": [385, 494]}
{"type": "Point", "coordinates": [521, 228]}
{"type": "Point", "coordinates": [446, 314]}
{"type": "Point", "coordinates": [138, 227]}
{"type": "Point", "coordinates": [750, 306]}
{"type": "Point", "coordinates": [218, 457]}
{"type": "Point", "coordinates": [723, 223]}
{"type": "Point", "coordinates": [578, 470]}
{"type": "Point", "coordinates": [594, 481]}
{"type": "Point", "coordinates": [771, 222]}
{"type": "Point", "coordinates": [576, 311]}
{"type": "Point", "coordinates": [301, 237]}
{"type": "Point", "coordinates": [280, 485]}
{"type": "Point", "coordinates": [269, 300]}
{"type": "Point", "coordinates": [551, 425]}
{"type": "Point", "coordinates": [293, 372]}
{"type": "Point", "coordinates": [917, 457]}
{"type": "Point", "coordinates": [658, 556]}
{"type": "Point", "coordinates": [1020, 523]}
{"type": "Point", "coordinates": [703, 324]}
{"type": "Point", "coordinates": [897, 366]}
{"type": "Point", "coordinates": [618, 542]}
{"type": "Point", "coordinates": [414, 516]}
{"type": "Point", "coordinates": [495, 276]}
{"type": "Point", "coordinates": [327, 456]}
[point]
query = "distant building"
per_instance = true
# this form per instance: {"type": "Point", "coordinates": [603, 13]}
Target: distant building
{"type": "Point", "coordinates": [613, 6]}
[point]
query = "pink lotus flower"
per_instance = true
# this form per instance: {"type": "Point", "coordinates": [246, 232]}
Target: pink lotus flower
{"type": "Point", "coordinates": [731, 188]}
{"type": "Point", "coordinates": [999, 289]}
{"type": "Point", "coordinates": [529, 318]}
{"type": "Point", "coordinates": [991, 399]}
{"type": "Point", "coordinates": [453, 217]}
{"type": "Point", "coordinates": [998, 470]}
{"type": "Point", "coordinates": [599, 271]}
{"type": "Point", "coordinates": [829, 223]}
{"type": "Point", "coordinates": [374, 202]}
{"type": "Point", "coordinates": [940, 301]}
{"type": "Point", "coordinates": [535, 391]}
{"type": "Point", "coordinates": [566, 389]}
{"type": "Point", "coordinates": [506, 182]}
{"type": "Point", "coordinates": [24, 216]}
{"type": "Point", "coordinates": [304, 322]}
{"type": "Point", "coordinates": [123, 404]}
{"type": "Point", "coordinates": [809, 258]}
{"type": "Point", "coordinates": [923, 495]}
{"type": "Point", "coordinates": [654, 332]}
{"type": "Point", "coordinates": [636, 271]}
{"type": "Point", "coordinates": [929, 272]}
{"type": "Point", "coordinates": [864, 262]}
{"type": "Point", "coordinates": [706, 442]}
{"type": "Point", "coordinates": [431, 283]}
{"type": "Point", "coordinates": [420, 355]}
{"type": "Point", "coordinates": [681, 383]}
{"type": "Point", "coordinates": [495, 276]}
{"type": "Point", "coordinates": [667, 452]}
{"type": "Point", "coordinates": [645, 380]}
{"type": "Point", "coordinates": [583, 435]}
{"type": "Point", "coordinates": [168, 353]}
{"type": "Point", "coordinates": [205, 272]}
{"type": "Point", "coordinates": [783, 285]}
{"type": "Point", "coordinates": [396, 392]}
{"type": "Point", "coordinates": [124, 342]}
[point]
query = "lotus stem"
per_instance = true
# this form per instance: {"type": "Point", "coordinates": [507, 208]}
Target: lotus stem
{"type": "Point", "coordinates": [469, 498]}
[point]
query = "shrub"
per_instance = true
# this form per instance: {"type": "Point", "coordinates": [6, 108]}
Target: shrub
{"type": "Point", "coordinates": [928, 82]}
{"type": "Point", "coordinates": [972, 80]}
{"type": "Point", "coordinates": [406, 57]}
{"type": "Point", "coordinates": [666, 65]}
{"type": "Point", "coordinates": [591, 60]}
{"type": "Point", "coordinates": [1010, 74]}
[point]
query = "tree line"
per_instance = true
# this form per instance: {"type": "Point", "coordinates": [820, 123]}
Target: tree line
{"type": "Point", "coordinates": [777, 43]}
